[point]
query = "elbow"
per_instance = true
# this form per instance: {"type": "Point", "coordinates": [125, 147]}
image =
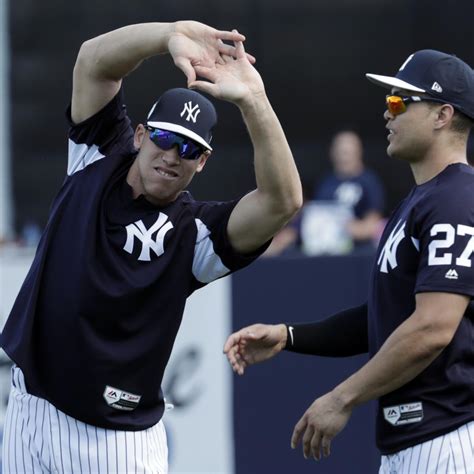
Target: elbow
{"type": "Point", "coordinates": [86, 51]}
{"type": "Point", "coordinates": [88, 60]}
{"type": "Point", "coordinates": [442, 340]}
{"type": "Point", "coordinates": [292, 205]}
{"type": "Point", "coordinates": [84, 57]}
{"type": "Point", "coordinates": [432, 342]}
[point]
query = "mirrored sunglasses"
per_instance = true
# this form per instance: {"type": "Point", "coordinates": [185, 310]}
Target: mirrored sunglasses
{"type": "Point", "coordinates": [164, 139]}
{"type": "Point", "coordinates": [397, 104]}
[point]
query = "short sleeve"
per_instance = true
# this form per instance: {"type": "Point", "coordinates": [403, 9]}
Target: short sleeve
{"type": "Point", "coordinates": [214, 256]}
{"type": "Point", "coordinates": [106, 132]}
{"type": "Point", "coordinates": [445, 231]}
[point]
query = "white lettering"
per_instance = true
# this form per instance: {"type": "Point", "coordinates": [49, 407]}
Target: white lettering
{"type": "Point", "coordinates": [138, 230]}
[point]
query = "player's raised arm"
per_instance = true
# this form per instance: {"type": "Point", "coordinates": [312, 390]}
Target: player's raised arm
{"type": "Point", "coordinates": [104, 61]}
{"type": "Point", "coordinates": [262, 212]}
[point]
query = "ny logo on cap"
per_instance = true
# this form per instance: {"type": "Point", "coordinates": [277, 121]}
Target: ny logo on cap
{"type": "Point", "coordinates": [193, 112]}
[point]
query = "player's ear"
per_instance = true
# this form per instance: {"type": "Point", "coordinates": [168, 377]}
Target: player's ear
{"type": "Point", "coordinates": [445, 114]}
{"type": "Point", "coordinates": [202, 161]}
{"type": "Point", "coordinates": [140, 133]}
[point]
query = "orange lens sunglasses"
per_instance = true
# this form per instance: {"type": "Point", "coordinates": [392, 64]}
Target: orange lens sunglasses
{"type": "Point", "coordinates": [397, 105]}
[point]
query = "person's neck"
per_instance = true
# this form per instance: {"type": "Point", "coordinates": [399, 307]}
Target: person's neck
{"type": "Point", "coordinates": [434, 162]}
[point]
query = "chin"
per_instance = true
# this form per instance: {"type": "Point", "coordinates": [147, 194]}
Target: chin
{"type": "Point", "coordinates": [392, 152]}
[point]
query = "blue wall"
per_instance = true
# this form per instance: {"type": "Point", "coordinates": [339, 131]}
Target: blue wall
{"type": "Point", "coordinates": [270, 398]}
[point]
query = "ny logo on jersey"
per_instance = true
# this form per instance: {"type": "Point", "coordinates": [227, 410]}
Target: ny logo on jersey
{"type": "Point", "coordinates": [193, 112]}
{"type": "Point", "coordinates": [388, 255]}
{"type": "Point", "coordinates": [145, 236]}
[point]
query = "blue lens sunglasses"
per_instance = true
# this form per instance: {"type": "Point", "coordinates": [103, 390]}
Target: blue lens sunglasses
{"type": "Point", "coordinates": [164, 139]}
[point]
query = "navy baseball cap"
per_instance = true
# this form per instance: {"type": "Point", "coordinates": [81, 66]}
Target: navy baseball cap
{"type": "Point", "coordinates": [439, 75]}
{"type": "Point", "coordinates": [185, 112]}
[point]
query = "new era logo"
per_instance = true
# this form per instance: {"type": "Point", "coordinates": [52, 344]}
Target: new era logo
{"type": "Point", "coordinates": [193, 112]}
{"type": "Point", "coordinates": [451, 274]}
{"type": "Point", "coordinates": [436, 87]}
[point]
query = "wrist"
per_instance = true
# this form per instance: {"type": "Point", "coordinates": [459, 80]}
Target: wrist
{"type": "Point", "coordinates": [282, 335]}
{"type": "Point", "coordinates": [345, 397]}
{"type": "Point", "coordinates": [170, 30]}
{"type": "Point", "coordinates": [253, 102]}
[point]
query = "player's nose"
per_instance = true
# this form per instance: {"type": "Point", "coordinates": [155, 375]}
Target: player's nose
{"type": "Point", "coordinates": [387, 115]}
{"type": "Point", "coordinates": [171, 157]}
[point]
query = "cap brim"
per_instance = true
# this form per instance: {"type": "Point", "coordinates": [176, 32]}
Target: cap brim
{"type": "Point", "coordinates": [172, 127]}
{"type": "Point", "coordinates": [389, 82]}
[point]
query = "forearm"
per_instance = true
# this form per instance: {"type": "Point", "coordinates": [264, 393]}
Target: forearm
{"type": "Point", "coordinates": [276, 174]}
{"type": "Point", "coordinates": [341, 335]}
{"type": "Point", "coordinates": [405, 354]}
{"type": "Point", "coordinates": [113, 55]}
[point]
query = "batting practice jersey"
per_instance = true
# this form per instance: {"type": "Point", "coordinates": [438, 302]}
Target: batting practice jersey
{"type": "Point", "coordinates": [427, 246]}
{"type": "Point", "coordinates": [96, 318]}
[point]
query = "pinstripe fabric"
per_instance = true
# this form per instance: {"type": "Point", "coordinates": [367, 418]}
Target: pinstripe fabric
{"type": "Point", "coordinates": [38, 438]}
{"type": "Point", "coordinates": [452, 453]}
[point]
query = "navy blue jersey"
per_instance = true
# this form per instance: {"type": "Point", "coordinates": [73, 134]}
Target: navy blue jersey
{"type": "Point", "coordinates": [96, 318]}
{"type": "Point", "coordinates": [362, 193]}
{"type": "Point", "coordinates": [427, 246]}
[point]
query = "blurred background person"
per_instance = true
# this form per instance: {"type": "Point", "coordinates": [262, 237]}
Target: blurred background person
{"type": "Point", "coordinates": [344, 212]}
{"type": "Point", "coordinates": [353, 185]}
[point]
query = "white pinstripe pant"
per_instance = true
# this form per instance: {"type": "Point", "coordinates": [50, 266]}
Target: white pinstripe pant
{"type": "Point", "coordinates": [452, 453]}
{"type": "Point", "coordinates": [38, 438]}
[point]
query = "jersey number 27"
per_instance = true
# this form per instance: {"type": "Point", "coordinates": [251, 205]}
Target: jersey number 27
{"type": "Point", "coordinates": [450, 232]}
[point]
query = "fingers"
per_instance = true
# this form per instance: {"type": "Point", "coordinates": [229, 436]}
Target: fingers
{"type": "Point", "coordinates": [227, 49]}
{"type": "Point", "coordinates": [231, 50]}
{"type": "Point", "coordinates": [315, 445]}
{"type": "Point", "coordinates": [237, 362]}
{"type": "Point", "coordinates": [326, 445]}
{"type": "Point", "coordinates": [232, 340]}
{"type": "Point", "coordinates": [233, 35]}
{"type": "Point", "coordinates": [203, 86]}
{"type": "Point", "coordinates": [231, 349]}
{"type": "Point", "coordinates": [239, 48]}
{"type": "Point", "coordinates": [206, 72]}
{"type": "Point", "coordinates": [185, 66]}
{"type": "Point", "coordinates": [297, 432]}
{"type": "Point", "coordinates": [251, 58]}
{"type": "Point", "coordinates": [308, 437]}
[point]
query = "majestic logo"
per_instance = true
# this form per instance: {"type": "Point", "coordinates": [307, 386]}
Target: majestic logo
{"type": "Point", "coordinates": [436, 87]}
{"type": "Point", "coordinates": [193, 112]}
{"type": "Point", "coordinates": [145, 236]}
{"type": "Point", "coordinates": [388, 255]}
{"type": "Point", "coordinates": [451, 274]}
{"type": "Point", "coordinates": [120, 399]}
{"type": "Point", "coordinates": [404, 414]}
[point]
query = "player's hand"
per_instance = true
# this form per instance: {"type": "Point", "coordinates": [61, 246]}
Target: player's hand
{"type": "Point", "coordinates": [233, 79]}
{"type": "Point", "coordinates": [322, 421]}
{"type": "Point", "coordinates": [254, 344]}
{"type": "Point", "coordinates": [195, 44]}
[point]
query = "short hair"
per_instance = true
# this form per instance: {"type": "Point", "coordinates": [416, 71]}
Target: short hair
{"type": "Point", "coordinates": [461, 123]}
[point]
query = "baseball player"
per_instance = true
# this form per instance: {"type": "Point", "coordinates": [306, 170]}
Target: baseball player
{"type": "Point", "coordinates": [94, 323]}
{"type": "Point", "coordinates": [418, 323]}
